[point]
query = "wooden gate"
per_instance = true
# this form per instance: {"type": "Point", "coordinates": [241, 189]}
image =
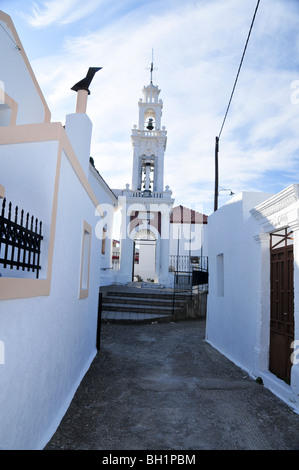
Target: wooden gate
{"type": "Point", "coordinates": [282, 304]}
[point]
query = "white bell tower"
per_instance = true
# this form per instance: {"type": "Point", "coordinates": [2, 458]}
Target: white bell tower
{"type": "Point", "coordinates": [146, 206]}
{"type": "Point", "coordinates": [149, 142]}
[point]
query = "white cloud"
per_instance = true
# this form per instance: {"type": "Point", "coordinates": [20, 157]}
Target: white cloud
{"type": "Point", "coordinates": [197, 49]}
{"type": "Point", "coordinates": [62, 12]}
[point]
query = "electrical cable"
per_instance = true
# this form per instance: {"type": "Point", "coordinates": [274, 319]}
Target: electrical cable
{"type": "Point", "coordinates": [216, 189]}
{"type": "Point", "coordinates": [231, 97]}
{"type": "Point", "coordinates": [10, 37]}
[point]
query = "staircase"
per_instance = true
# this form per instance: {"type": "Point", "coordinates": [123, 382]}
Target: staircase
{"type": "Point", "coordinates": [130, 304]}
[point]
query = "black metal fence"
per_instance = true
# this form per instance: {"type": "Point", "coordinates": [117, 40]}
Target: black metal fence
{"type": "Point", "coordinates": [187, 263]}
{"type": "Point", "coordinates": [193, 283]}
{"type": "Point", "coordinates": [194, 276]}
{"type": "Point", "coordinates": [180, 263]}
{"type": "Point", "coordinates": [20, 241]}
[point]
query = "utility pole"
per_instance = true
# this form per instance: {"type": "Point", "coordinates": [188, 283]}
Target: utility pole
{"type": "Point", "coordinates": [216, 174]}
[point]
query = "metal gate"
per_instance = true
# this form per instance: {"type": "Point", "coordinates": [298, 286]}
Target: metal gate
{"type": "Point", "coordinates": [195, 278]}
{"type": "Point", "coordinates": [282, 304]}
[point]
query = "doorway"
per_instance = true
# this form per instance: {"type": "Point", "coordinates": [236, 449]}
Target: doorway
{"type": "Point", "coordinates": [144, 257]}
{"type": "Point", "coordinates": [281, 303]}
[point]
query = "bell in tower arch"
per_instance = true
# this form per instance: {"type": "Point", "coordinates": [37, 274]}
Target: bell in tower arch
{"type": "Point", "coordinates": [150, 125]}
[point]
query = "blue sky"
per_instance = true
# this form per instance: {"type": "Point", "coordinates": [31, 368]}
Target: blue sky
{"type": "Point", "coordinates": [197, 50]}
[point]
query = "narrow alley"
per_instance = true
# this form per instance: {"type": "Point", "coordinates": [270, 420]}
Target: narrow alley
{"type": "Point", "coordinates": [160, 386]}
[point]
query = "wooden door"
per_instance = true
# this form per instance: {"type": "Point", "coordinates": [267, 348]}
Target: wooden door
{"type": "Point", "coordinates": [282, 304]}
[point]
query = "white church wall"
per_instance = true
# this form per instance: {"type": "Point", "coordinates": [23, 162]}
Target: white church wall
{"type": "Point", "coordinates": [50, 341]}
{"type": "Point", "coordinates": [277, 213]}
{"type": "Point", "coordinates": [78, 127]}
{"type": "Point", "coordinates": [233, 280]}
{"type": "Point", "coordinates": [108, 202]}
{"type": "Point", "coordinates": [28, 173]}
{"type": "Point", "coordinates": [48, 326]}
{"type": "Point", "coordinates": [17, 78]}
{"type": "Point", "coordinates": [238, 312]}
{"type": "Point", "coordinates": [123, 275]}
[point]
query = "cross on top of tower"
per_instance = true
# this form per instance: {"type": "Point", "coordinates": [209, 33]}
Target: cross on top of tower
{"type": "Point", "coordinates": [151, 68]}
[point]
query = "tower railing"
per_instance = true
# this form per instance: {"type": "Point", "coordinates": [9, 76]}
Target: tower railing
{"type": "Point", "coordinates": [147, 133]}
{"type": "Point", "coordinates": [152, 194]}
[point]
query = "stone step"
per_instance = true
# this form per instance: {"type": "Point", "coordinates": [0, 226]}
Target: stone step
{"type": "Point", "coordinates": [111, 299]}
{"type": "Point", "coordinates": [131, 304]}
{"type": "Point", "coordinates": [148, 295]}
{"type": "Point", "coordinates": [134, 308]}
{"type": "Point", "coordinates": [126, 317]}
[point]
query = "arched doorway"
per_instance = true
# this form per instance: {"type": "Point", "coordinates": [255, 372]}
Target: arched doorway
{"type": "Point", "coordinates": [144, 256]}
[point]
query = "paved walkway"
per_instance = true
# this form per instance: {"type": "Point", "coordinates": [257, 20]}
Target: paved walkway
{"type": "Point", "coordinates": [162, 387]}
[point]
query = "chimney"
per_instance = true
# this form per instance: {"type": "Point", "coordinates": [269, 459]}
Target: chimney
{"type": "Point", "coordinates": [78, 126]}
{"type": "Point", "coordinates": [81, 101]}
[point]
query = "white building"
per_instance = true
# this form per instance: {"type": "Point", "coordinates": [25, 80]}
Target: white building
{"type": "Point", "coordinates": [48, 324]}
{"type": "Point", "coordinates": [146, 207]}
{"type": "Point", "coordinates": [104, 225]}
{"type": "Point", "coordinates": [253, 301]}
{"type": "Point", "coordinates": [188, 238]}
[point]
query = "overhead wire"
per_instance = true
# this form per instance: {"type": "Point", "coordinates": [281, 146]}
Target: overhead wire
{"type": "Point", "coordinates": [18, 47]}
{"type": "Point", "coordinates": [240, 66]}
{"type": "Point", "coordinates": [227, 110]}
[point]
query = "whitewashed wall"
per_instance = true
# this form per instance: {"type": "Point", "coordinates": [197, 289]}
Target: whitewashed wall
{"type": "Point", "coordinates": [47, 339]}
{"type": "Point", "coordinates": [50, 341]}
{"type": "Point", "coordinates": [234, 279]}
{"type": "Point", "coordinates": [17, 80]}
{"type": "Point", "coordinates": [238, 312]}
{"type": "Point", "coordinates": [28, 174]}
{"type": "Point", "coordinates": [108, 202]}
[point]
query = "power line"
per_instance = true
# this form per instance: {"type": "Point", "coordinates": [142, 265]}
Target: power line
{"type": "Point", "coordinates": [231, 97]}
{"type": "Point", "coordinates": [227, 109]}
{"type": "Point", "coordinates": [10, 37]}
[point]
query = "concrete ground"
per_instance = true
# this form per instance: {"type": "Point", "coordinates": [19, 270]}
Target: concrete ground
{"type": "Point", "coordinates": [162, 387]}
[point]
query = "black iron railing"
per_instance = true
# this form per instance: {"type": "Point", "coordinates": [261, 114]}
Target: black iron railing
{"type": "Point", "coordinates": [187, 263]}
{"type": "Point", "coordinates": [191, 273]}
{"type": "Point", "coordinates": [20, 242]}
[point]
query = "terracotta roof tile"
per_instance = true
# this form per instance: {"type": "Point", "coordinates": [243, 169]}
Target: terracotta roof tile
{"type": "Point", "coordinates": [184, 215]}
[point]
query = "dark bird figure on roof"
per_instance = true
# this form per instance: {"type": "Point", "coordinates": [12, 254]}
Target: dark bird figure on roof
{"type": "Point", "coordinates": [85, 82]}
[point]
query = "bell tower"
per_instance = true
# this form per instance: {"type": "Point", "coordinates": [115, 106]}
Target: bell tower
{"type": "Point", "coordinates": [149, 142]}
{"type": "Point", "coordinates": [146, 206]}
